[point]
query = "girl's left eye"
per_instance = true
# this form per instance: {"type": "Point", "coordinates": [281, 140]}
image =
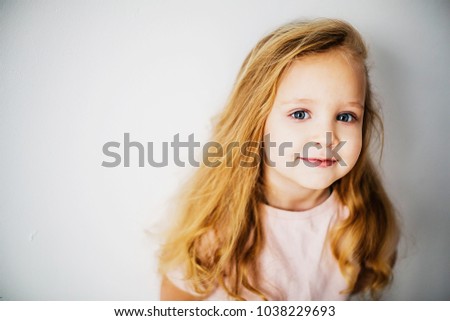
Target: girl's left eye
{"type": "Point", "coordinates": [348, 118]}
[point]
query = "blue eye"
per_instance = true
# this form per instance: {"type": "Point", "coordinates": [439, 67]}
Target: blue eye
{"type": "Point", "coordinates": [348, 118]}
{"type": "Point", "coordinates": [299, 114]}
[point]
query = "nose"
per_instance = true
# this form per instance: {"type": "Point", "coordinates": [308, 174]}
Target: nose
{"type": "Point", "coordinates": [325, 135]}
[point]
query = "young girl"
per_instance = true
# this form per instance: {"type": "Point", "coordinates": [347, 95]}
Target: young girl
{"type": "Point", "coordinates": [308, 219]}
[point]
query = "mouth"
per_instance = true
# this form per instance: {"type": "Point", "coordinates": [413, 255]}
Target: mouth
{"type": "Point", "coordinates": [319, 162]}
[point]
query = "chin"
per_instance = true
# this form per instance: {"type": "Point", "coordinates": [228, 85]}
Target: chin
{"type": "Point", "coordinates": [316, 184]}
{"type": "Point", "coordinates": [313, 185]}
{"type": "Point", "coordinates": [317, 187]}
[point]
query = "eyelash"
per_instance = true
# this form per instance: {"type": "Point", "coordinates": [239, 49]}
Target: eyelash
{"type": "Point", "coordinates": [304, 111]}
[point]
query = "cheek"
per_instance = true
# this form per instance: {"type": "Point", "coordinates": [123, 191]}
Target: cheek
{"type": "Point", "coordinates": [276, 134]}
{"type": "Point", "coordinates": [285, 144]}
{"type": "Point", "coordinates": [351, 150]}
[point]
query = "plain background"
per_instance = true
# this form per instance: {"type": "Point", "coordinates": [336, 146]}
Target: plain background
{"type": "Point", "coordinates": [77, 74]}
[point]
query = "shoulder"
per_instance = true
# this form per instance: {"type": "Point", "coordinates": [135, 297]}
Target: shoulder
{"type": "Point", "coordinates": [170, 292]}
{"type": "Point", "coordinates": [177, 280]}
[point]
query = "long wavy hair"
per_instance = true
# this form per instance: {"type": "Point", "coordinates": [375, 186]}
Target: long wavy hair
{"type": "Point", "coordinates": [218, 236]}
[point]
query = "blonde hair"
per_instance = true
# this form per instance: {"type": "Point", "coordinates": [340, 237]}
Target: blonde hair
{"type": "Point", "coordinates": [219, 236]}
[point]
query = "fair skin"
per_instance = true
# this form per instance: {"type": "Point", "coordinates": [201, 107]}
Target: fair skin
{"type": "Point", "coordinates": [317, 94]}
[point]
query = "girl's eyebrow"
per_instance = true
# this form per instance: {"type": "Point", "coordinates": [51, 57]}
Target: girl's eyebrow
{"type": "Point", "coordinates": [355, 103]}
{"type": "Point", "coordinates": [312, 101]}
{"type": "Point", "coordinates": [297, 100]}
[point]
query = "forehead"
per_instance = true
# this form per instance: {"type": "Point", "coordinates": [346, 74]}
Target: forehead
{"type": "Point", "coordinates": [330, 75]}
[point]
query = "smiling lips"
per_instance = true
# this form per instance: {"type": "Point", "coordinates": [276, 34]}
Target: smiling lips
{"type": "Point", "coordinates": [319, 162]}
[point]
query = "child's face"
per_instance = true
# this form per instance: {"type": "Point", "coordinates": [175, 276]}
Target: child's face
{"type": "Point", "coordinates": [318, 94]}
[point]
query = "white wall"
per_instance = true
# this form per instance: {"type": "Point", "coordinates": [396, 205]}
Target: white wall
{"type": "Point", "coordinates": [77, 74]}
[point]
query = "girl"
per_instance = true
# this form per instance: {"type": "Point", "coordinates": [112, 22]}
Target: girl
{"type": "Point", "coordinates": [308, 219]}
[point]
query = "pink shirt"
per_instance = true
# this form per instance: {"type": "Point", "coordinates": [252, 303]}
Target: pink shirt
{"type": "Point", "coordinates": [296, 262]}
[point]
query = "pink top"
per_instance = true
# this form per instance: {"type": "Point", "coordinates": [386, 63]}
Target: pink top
{"type": "Point", "coordinates": [296, 262]}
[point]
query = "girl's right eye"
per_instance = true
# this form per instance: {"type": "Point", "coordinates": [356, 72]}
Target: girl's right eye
{"type": "Point", "coordinates": [299, 114]}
